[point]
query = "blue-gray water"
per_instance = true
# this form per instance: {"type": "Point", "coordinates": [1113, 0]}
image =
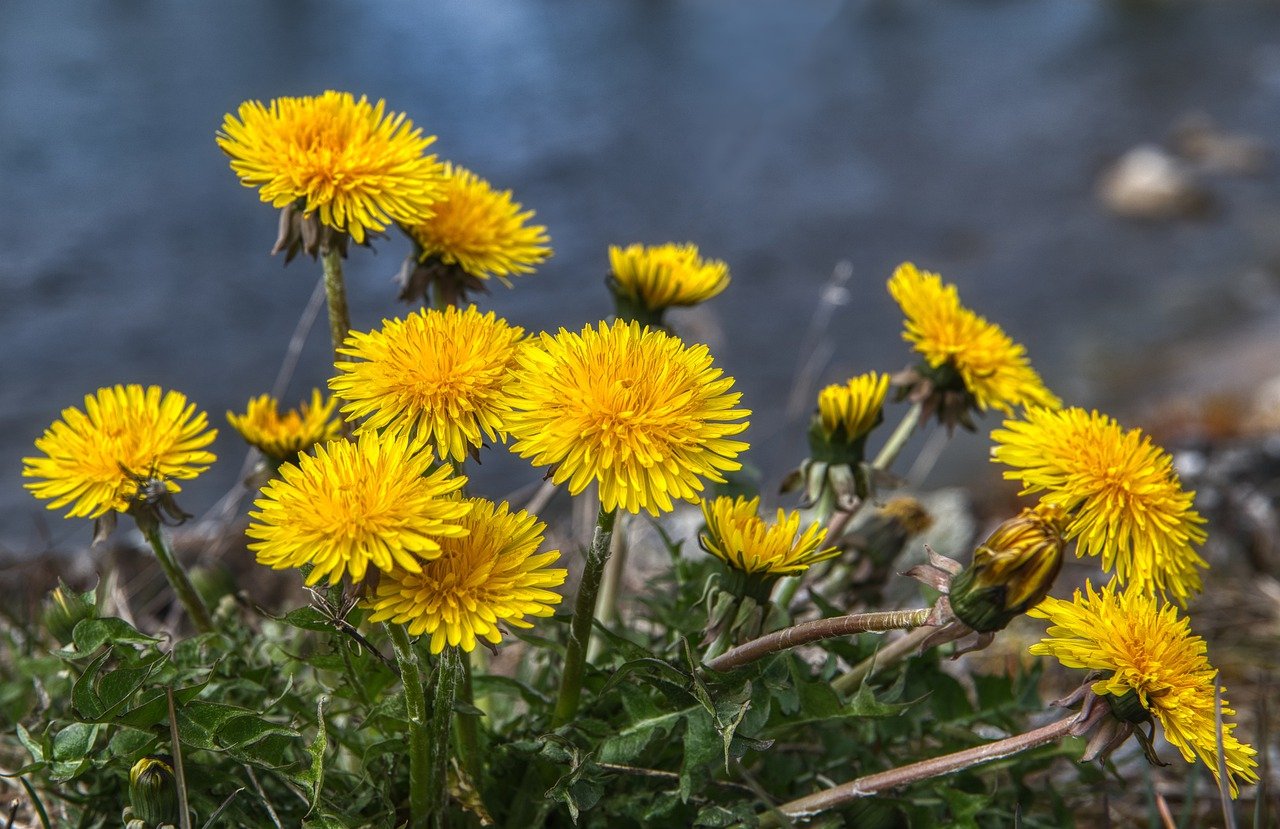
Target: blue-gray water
{"type": "Point", "coordinates": [781, 136]}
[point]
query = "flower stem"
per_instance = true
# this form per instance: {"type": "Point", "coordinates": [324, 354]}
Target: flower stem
{"type": "Point", "coordinates": [159, 541]}
{"type": "Point", "coordinates": [817, 630]}
{"type": "Point", "coordinates": [584, 611]}
{"type": "Point", "coordinates": [467, 726]}
{"type": "Point", "coordinates": [608, 601]}
{"type": "Point", "coordinates": [336, 292]}
{"type": "Point", "coordinates": [448, 669]}
{"type": "Point", "coordinates": [892, 447]}
{"type": "Point", "coordinates": [415, 704]}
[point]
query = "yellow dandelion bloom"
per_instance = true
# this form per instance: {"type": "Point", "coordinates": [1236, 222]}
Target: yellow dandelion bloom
{"type": "Point", "coordinates": [93, 458]}
{"type": "Point", "coordinates": [349, 505]}
{"type": "Point", "coordinates": [852, 409]}
{"type": "Point", "coordinates": [491, 577]}
{"type": "Point", "coordinates": [283, 436]}
{"type": "Point", "coordinates": [632, 408]}
{"type": "Point", "coordinates": [738, 536]}
{"type": "Point", "coordinates": [439, 376]}
{"type": "Point", "coordinates": [661, 276]}
{"type": "Point", "coordinates": [482, 230]}
{"type": "Point", "coordinates": [1124, 498]}
{"type": "Point", "coordinates": [358, 166]}
{"type": "Point", "coordinates": [1145, 649]}
{"type": "Point", "coordinates": [993, 368]}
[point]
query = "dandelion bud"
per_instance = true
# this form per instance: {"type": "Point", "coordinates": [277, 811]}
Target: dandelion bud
{"type": "Point", "coordinates": [1011, 571]}
{"type": "Point", "coordinates": [153, 794]}
{"type": "Point", "coordinates": [64, 609]}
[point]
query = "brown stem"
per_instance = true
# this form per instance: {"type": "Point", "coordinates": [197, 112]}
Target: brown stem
{"type": "Point", "coordinates": [818, 629]}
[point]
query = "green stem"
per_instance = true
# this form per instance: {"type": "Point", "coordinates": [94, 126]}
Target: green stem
{"type": "Point", "coordinates": [415, 704]}
{"type": "Point", "coordinates": [159, 541]}
{"type": "Point", "coordinates": [448, 668]}
{"type": "Point", "coordinates": [467, 727]}
{"type": "Point", "coordinates": [584, 611]}
{"type": "Point", "coordinates": [884, 657]}
{"type": "Point", "coordinates": [897, 440]}
{"type": "Point", "coordinates": [613, 572]}
{"type": "Point", "coordinates": [336, 292]}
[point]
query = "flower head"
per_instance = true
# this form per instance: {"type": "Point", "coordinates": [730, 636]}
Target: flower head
{"type": "Point", "coordinates": [632, 408]}
{"type": "Point", "coordinates": [352, 163]}
{"type": "Point", "coordinates": [439, 376]}
{"type": "Point", "coordinates": [738, 536]}
{"type": "Point", "coordinates": [1144, 649]}
{"type": "Point", "coordinates": [283, 436]}
{"type": "Point", "coordinates": [964, 353]}
{"type": "Point", "coordinates": [851, 410]}
{"type": "Point", "coordinates": [1125, 501]}
{"type": "Point", "coordinates": [97, 460]}
{"type": "Point", "coordinates": [492, 576]}
{"type": "Point", "coordinates": [648, 279]}
{"type": "Point", "coordinates": [350, 505]}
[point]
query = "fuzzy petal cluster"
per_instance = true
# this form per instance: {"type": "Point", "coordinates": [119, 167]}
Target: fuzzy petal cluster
{"type": "Point", "coordinates": [283, 436]}
{"type": "Point", "coordinates": [852, 409]}
{"type": "Point", "coordinates": [438, 376]}
{"type": "Point", "coordinates": [738, 536]}
{"type": "Point", "coordinates": [93, 459]}
{"type": "Point", "coordinates": [994, 368]}
{"type": "Point", "coordinates": [358, 166]}
{"type": "Point", "coordinates": [1125, 500]}
{"type": "Point", "coordinates": [1143, 647]}
{"type": "Point", "coordinates": [660, 276]}
{"type": "Point", "coordinates": [351, 505]}
{"type": "Point", "coordinates": [631, 408]}
{"type": "Point", "coordinates": [490, 577]}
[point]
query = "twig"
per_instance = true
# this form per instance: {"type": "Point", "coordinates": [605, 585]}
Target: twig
{"type": "Point", "coordinates": [262, 795]}
{"type": "Point", "coordinates": [180, 777]}
{"type": "Point", "coordinates": [817, 630]}
{"type": "Point", "coordinates": [658, 774]}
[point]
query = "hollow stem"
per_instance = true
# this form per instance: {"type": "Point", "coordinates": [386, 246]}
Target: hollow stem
{"type": "Point", "coordinates": [612, 582]}
{"type": "Point", "coordinates": [336, 292]}
{"type": "Point", "coordinates": [448, 671]}
{"type": "Point", "coordinates": [893, 447]}
{"type": "Point", "coordinates": [466, 725]}
{"type": "Point", "coordinates": [815, 631]}
{"type": "Point", "coordinates": [584, 610]}
{"type": "Point", "coordinates": [888, 655]}
{"type": "Point", "coordinates": [186, 592]}
{"type": "Point", "coordinates": [415, 704]}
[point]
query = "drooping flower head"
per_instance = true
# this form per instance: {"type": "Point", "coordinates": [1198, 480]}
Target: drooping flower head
{"type": "Point", "coordinates": [969, 362]}
{"type": "Point", "coordinates": [738, 536]}
{"type": "Point", "coordinates": [632, 408]}
{"type": "Point", "coordinates": [1123, 496]}
{"type": "Point", "coordinates": [349, 505]}
{"type": "Point", "coordinates": [283, 436]}
{"type": "Point", "coordinates": [646, 280]}
{"type": "Point", "coordinates": [128, 439]}
{"type": "Point", "coordinates": [491, 577]}
{"type": "Point", "coordinates": [352, 164]}
{"type": "Point", "coordinates": [438, 376]}
{"type": "Point", "coordinates": [1147, 652]}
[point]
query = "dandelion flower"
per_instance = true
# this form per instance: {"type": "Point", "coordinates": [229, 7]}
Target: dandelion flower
{"type": "Point", "coordinates": [350, 505]}
{"type": "Point", "coordinates": [1145, 650]}
{"type": "Point", "coordinates": [652, 278]}
{"type": "Point", "coordinates": [992, 367]}
{"type": "Point", "coordinates": [283, 436]}
{"type": "Point", "coordinates": [738, 536]}
{"type": "Point", "coordinates": [632, 408]}
{"type": "Point", "coordinates": [1125, 501]}
{"type": "Point", "coordinates": [93, 459]}
{"type": "Point", "coordinates": [853, 409]}
{"type": "Point", "coordinates": [493, 576]}
{"type": "Point", "coordinates": [439, 376]}
{"type": "Point", "coordinates": [357, 166]}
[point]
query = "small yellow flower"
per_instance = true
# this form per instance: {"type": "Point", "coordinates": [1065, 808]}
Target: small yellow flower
{"type": "Point", "coordinates": [1124, 498]}
{"type": "Point", "coordinates": [992, 367]}
{"type": "Point", "coordinates": [630, 407]}
{"type": "Point", "coordinates": [357, 166]}
{"type": "Point", "coordinates": [1145, 649]}
{"type": "Point", "coordinates": [93, 459]}
{"type": "Point", "coordinates": [738, 536]}
{"type": "Point", "coordinates": [283, 436]}
{"type": "Point", "coordinates": [349, 505]}
{"type": "Point", "coordinates": [852, 410]}
{"type": "Point", "coordinates": [439, 376]}
{"type": "Point", "coordinates": [493, 576]}
{"type": "Point", "coordinates": [660, 276]}
{"type": "Point", "coordinates": [480, 229]}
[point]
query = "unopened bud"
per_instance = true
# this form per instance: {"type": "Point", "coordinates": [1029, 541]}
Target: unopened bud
{"type": "Point", "coordinates": [153, 792]}
{"type": "Point", "coordinates": [64, 609]}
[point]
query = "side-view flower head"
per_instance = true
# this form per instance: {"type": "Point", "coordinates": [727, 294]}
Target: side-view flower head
{"type": "Point", "coordinates": [738, 536]}
{"type": "Point", "coordinates": [283, 436]}
{"type": "Point", "coordinates": [651, 278]}
{"type": "Point", "coordinates": [848, 411]}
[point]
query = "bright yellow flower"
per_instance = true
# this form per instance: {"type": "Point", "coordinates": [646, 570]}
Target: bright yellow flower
{"type": "Point", "coordinates": [491, 577]}
{"type": "Point", "coordinates": [439, 376]}
{"type": "Point", "coordinates": [480, 229]}
{"type": "Point", "coordinates": [1145, 649]}
{"type": "Point", "coordinates": [738, 536]}
{"type": "Point", "coordinates": [660, 276]}
{"type": "Point", "coordinates": [993, 367]}
{"type": "Point", "coordinates": [360, 167]}
{"type": "Point", "coordinates": [1125, 500]}
{"type": "Point", "coordinates": [350, 505]}
{"type": "Point", "coordinates": [283, 436]}
{"type": "Point", "coordinates": [853, 407]}
{"type": "Point", "coordinates": [630, 407]}
{"type": "Point", "coordinates": [94, 458]}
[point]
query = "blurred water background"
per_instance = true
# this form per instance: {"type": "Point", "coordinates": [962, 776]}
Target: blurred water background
{"type": "Point", "coordinates": [782, 137]}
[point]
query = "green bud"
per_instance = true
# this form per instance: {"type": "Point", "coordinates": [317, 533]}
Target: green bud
{"type": "Point", "coordinates": [64, 609]}
{"type": "Point", "coordinates": [153, 792]}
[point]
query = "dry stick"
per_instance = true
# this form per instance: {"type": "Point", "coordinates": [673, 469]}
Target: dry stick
{"type": "Point", "coordinates": [180, 777]}
{"type": "Point", "coordinates": [817, 630]}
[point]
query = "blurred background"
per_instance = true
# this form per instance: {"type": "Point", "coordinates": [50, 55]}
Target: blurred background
{"type": "Point", "coordinates": [1097, 177]}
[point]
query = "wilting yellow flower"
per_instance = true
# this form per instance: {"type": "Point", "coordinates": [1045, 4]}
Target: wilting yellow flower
{"type": "Point", "coordinates": [480, 229]}
{"type": "Point", "coordinates": [438, 376]}
{"type": "Point", "coordinates": [853, 409]}
{"type": "Point", "coordinates": [993, 368]}
{"type": "Point", "coordinates": [738, 536]}
{"type": "Point", "coordinates": [1145, 649]}
{"type": "Point", "coordinates": [357, 165]}
{"type": "Point", "coordinates": [491, 577]}
{"type": "Point", "coordinates": [660, 276]}
{"type": "Point", "coordinates": [1125, 500]}
{"type": "Point", "coordinates": [283, 436]}
{"type": "Point", "coordinates": [630, 407]}
{"type": "Point", "coordinates": [349, 505]}
{"type": "Point", "coordinates": [94, 459]}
